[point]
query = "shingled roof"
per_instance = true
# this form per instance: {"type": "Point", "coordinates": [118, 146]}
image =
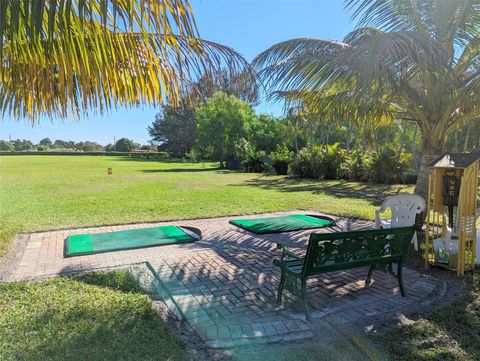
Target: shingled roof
{"type": "Point", "coordinates": [456, 160]}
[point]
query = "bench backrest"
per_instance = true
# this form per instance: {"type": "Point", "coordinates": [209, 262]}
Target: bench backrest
{"type": "Point", "coordinates": [342, 250]}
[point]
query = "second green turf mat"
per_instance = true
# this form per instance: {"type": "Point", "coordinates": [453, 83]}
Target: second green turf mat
{"type": "Point", "coordinates": [294, 222]}
{"type": "Point", "coordinates": [83, 244]}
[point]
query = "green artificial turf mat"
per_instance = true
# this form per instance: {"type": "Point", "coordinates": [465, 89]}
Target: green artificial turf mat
{"type": "Point", "coordinates": [294, 222]}
{"type": "Point", "coordinates": [82, 244]}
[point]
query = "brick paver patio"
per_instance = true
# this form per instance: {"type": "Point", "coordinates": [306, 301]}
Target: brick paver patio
{"type": "Point", "coordinates": [224, 285]}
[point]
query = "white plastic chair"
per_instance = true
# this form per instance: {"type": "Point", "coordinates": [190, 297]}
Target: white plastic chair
{"type": "Point", "coordinates": [404, 209]}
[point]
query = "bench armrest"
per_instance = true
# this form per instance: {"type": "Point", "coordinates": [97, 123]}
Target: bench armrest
{"type": "Point", "coordinates": [287, 252]}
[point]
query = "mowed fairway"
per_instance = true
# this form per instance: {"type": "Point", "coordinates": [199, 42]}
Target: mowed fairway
{"type": "Point", "coordinates": [53, 192]}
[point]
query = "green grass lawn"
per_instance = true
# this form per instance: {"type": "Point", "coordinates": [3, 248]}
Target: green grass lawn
{"type": "Point", "coordinates": [106, 316]}
{"type": "Point", "coordinates": [97, 317]}
{"type": "Point", "coordinates": [53, 192]}
{"type": "Point", "coordinates": [450, 333]}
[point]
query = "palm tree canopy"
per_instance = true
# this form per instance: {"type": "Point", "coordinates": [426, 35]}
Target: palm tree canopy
{"type": "Point", "coordinates": [416, 60]}
{"type": "Point", "coordinates": [63, 57]}
{"type": "Point", "coordinates": [422, 56]}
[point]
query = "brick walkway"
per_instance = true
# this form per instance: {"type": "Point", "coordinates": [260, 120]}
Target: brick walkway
{"type": "Point", "coordinates": [224, 286]}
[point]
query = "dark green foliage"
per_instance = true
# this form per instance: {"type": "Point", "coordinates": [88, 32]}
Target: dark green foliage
{"type": "Point", "coordinates": [266, 133]}
{"type": "Point", "coordinates": [325, 162]}
{"type": "Point", "coordinates": [356, 167]}
{"type": "Point", "coordinates": [150, 155]}
{"type": "Point", "coordinates": [389, 166]}
{"type": "Point", "coordinates": [60, 144]}
{"type": "Point", "coordinates": [281, 159]}
{"type": "Point", "coordinates": [464, 138]}
{"type": "Point", "coordinates": [221, 122]}
{"type": "Point", "coordinates": [125, 145]}
{"type": "Point", "coordinates": [149, 147]}
{"type": "Point", "coordinates": [332, 161]}
{"type": "Point", "coordinates": [46, 142]}
{"type": "Point", "coordinates": [6, 146]}
{"type": "Point", "coordinates": [20, 145]}
{"type": "Point", "coordinates": [89, 146]}
{"type": "Point", "coordinates": [174, 130]}
{"type": "Point", "coordinates": [248, 158]}
{"type": "Point", "coordinates": [302, 164]}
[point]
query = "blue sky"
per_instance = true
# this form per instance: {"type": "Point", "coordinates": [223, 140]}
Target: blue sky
{"type": "Point", "coordinates": [248, 26]}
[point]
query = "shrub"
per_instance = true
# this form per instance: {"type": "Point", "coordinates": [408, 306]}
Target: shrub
{"type": "Point", "coordinates": [6, 146]}
{"type": "Point", "coordinates": [281, 159]}
{"type": "Point", "coordinates": [302, 164]}
{"type": "Point", "coordinates": [150, 155]}
{"type": "Point", "coordinates": [388, 166]}
{"type": "Point", "coordinates": [332, 161]}
{"type": "Point", "coordinates": [320, 162]}
{"type": "Point", "coordinates": [356, 166]}
{"type": "Point", "coordinates": [193, 156]}
{"type": "Point", "coordinates": [248, 158]}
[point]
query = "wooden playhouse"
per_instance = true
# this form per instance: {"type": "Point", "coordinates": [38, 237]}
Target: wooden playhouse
{"type": "Point", "coordinates": [452, 211]}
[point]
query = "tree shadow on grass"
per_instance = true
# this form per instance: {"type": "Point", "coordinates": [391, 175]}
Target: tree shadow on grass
{"type": "Point", "coordinates": [181, 170]}
{"type": "Point", "coordinates": [192, 170]}
{"type": "Point", "coordinates": [374, 193]}
{"type": "Point", "coordinates": [121, 158]}
{"type": "Point", "coordinates": [79, 322]}
{"type": "Point", "coordinates": [448, 333]}
{"type": "Point", "coordinates": [122, 281]}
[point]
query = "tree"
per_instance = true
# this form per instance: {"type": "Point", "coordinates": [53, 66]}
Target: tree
{"type": "Point", "coordinates": [5, 146]}
{"type": "Point", "coordinates": [125, 145]}
{"type": "Point", "coordinates": [46, 142]}
{"type": "Point", "coordinates": [266, 133]}
{"type": "Point", "coordinates": [109, 148]}
{"type": "Point", "coordinates": [243, 86]}
{"type": "Point", "coordinates": [59, 58]}
{"type": "Point", "coordinates": [221, 122]}
{"type": "Point", "coordinates": [418, 61]}
{"type": "Point", "coordinates": [70, 145]}
{"type": "Point", "coordinates": [174, 129]}
{"type": "Point", "coordinates": [89, 146]}
{"type": "Point", "coordinates": [60, 144]}
{"type": "Point", "coordinates": [23, 144]}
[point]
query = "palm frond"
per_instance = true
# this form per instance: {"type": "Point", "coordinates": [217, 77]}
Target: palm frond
{"type": "Point", "coordinates": [298, 63]}
{"type": "Point", "coordinates": [339, 106]}
{"type": "Point", "coordinates": [69, 56]}
{"type": "Point", "coordinates": [378, 55]}
{"type": "Point", "coordinates": [74, 81]}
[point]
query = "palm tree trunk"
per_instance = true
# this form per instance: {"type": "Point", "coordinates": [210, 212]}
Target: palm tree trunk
{"type": "Point", "coordinates": [467, 136]}
{"type": "Point", "coordinates": [430, 151]}
{"type": "Point", "coordinates": [414, 149]}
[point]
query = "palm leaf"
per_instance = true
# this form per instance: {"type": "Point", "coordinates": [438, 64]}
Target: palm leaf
{"type": "Point", "coordinates": [64, 57]}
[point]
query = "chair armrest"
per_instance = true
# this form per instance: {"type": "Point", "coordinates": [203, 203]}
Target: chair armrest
{"type": "Point", "coordinates": [287, 252]}
{"type": "Point", "coordinates": [378, 221]}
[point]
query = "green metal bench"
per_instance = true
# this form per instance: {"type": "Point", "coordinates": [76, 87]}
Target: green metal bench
{"type": "Point", "coordinates": [329, 252]}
